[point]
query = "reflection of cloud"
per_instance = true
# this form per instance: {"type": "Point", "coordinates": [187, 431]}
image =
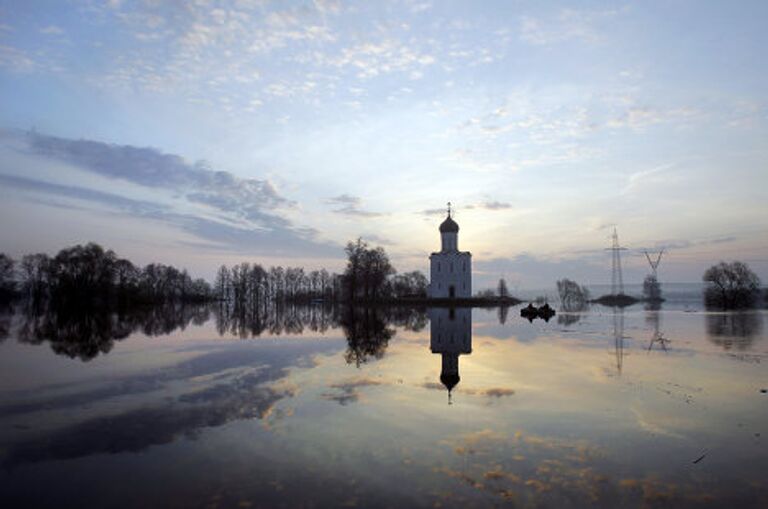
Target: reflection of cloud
{"type": "Point", "coordinates": [497, 392]}
{"type": "Point", "coordinates": [532, 469]}
{"type": "Point", "coordinates": [242, 383]}
{"type": "Point", "coordinates": [136, 430]}
{"type": "Point", "coordinates": [348, 392]}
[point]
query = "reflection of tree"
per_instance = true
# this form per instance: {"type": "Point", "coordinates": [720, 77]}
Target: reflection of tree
{"type": "Point", "coordinates": [6, 314]}
{"type": "Point", "coordinates": [84, 333]}
{"type": "Point", "coordinates": [367, 334]}
{"type": "Point", "coordinates": [734, 330]}
{"type": "Point", "coordinates": [503, 313]}
{"type": "Point", "coordinates": [653, 318]}
{"type": "Point", "coordinates": [274, 317]}
{"type": "Point", "coordinates": [568, 318]}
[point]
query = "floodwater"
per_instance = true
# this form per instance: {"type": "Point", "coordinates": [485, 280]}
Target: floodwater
{"type": "Point", "coordinates": [312, 407]}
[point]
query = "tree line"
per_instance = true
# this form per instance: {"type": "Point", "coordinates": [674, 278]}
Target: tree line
{"type": "Point", "coordinates": [89, 274]}
{"type": "Point", "coordinates": [368, 277]}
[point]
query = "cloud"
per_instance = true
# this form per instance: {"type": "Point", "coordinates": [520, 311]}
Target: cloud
{"type": "Point", "coordinates": [231, 213]}
{"type": "Point", "coordinates": [569, 24]}
{"type": "Point", "coordinates": [638, 117]}
{"type": "Point", "coordinates": [652, 175]}
{"type": "Point", "coordinates": [495, 205]}
{"type": "Point", "coordinates": [377, 239]}
{"type": "Point", "coordinates": [16, 59]}
{"type": "Point", "coordinates": [487, 205]}
{"type": "Point", "coordinates": [350, 206]}
{"type": "Point", "coordinates": [532, 271]}
{"type": "Point", "coordinates": [135, 207]}
{"type": "Point", "coordinates": [152, 168]}
{"type": "Point", "coordinates": [52, 30]}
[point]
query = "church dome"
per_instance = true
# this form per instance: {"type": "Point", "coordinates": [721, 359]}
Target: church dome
{"type": "Point", "coordinates": [450, 381]}
{"type": "Point", "coordinates": [449, 226]}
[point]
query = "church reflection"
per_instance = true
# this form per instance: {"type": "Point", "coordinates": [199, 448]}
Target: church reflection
{"type": "Point", "coordinates": [450, 336]}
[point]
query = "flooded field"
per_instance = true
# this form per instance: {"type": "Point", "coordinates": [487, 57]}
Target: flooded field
{"type": "Point", "coordinates": [313, 407]}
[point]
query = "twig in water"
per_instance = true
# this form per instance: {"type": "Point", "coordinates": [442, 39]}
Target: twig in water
{"type": "Point", "coordinates": [700, 457]}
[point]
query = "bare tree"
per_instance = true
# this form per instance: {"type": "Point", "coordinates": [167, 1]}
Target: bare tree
{"type": "Point", "coordinates": [502, 288]}
{"type": "Point", "coordinates": [572, 296]}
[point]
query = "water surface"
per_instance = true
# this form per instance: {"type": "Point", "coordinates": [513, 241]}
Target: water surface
{"type": "Point", "coordinates": [315, 407]}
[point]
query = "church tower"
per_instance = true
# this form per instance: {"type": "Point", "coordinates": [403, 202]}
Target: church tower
{"type": "Point", "coordinates": [450, 270]}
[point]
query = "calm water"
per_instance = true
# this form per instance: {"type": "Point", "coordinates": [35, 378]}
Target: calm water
{"type": "Point", "coordinates": [319, 408]}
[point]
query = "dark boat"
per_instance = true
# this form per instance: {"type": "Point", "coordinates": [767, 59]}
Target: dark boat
{"type": "Point", "coordinates": [530, 312]}
{"type": "Point", "coordinates": [546, 312]}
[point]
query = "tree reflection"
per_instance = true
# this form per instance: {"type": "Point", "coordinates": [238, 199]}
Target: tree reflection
{"type": "Point", "coordinates": [6, 314]}
{"type": "Point", "coordinates": [367, 332]}
{"type": "Point", "coordinates": [736, 330]}
{"type": "Point", "coordinates": [568, 318]}
{"type": "Point", "coordinates": [503, 313]}
{"type": "Point", "coordinates": [85, 333]}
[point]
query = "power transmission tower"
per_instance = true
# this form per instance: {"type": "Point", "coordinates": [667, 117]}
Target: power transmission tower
{"type": "Point", "coordinates": [654, 263]}
{"type": "Point", "coordinates": [617, 281]}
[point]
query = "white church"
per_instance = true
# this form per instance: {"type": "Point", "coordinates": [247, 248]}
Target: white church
{"type": "Point", "coordinates": [450, 270]}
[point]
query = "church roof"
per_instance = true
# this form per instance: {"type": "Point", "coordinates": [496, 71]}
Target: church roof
{"type": "Point", "coordinates": [449, 226]}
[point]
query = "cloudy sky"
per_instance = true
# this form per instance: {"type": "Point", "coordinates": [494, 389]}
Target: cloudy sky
{"type": "Point", "coordinates": [199, 132]}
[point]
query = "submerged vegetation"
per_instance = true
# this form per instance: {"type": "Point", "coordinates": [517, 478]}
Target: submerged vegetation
{"type": "Point", "coordinates": [731, 286]}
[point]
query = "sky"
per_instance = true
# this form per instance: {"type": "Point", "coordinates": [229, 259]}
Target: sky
{"type": "Point", "coordinates": [200, 132]}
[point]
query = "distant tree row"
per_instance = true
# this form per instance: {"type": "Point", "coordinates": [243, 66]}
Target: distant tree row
{"type": "Point", "coordinates": [87, 275]}
{"type": "Point", "coordinates": [368, 277]}
{"type": "Point", "coordinates": [248, 285]}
